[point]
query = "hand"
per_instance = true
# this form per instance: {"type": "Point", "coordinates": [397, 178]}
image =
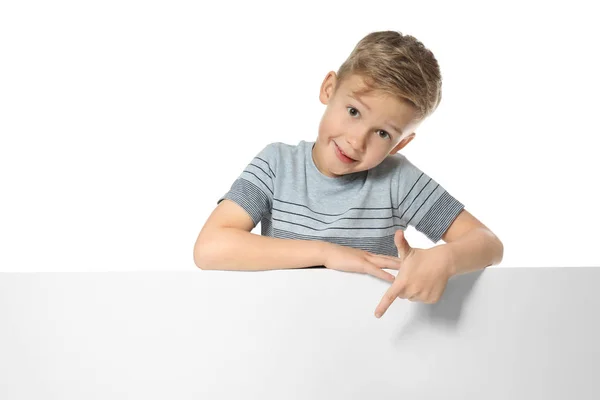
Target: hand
{"type": "Point", "coordinates": [350, 259]}
{"type": "Point", "coordinates": [422, 277]}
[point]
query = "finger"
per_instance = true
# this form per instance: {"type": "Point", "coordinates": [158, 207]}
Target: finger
{"type": "Point", "coordinates": [414, 297]}
{"type": "Point", "coordinates": [386, 262]}
{"type": "Point", "coordinates": [401, 243]}
{"type": "Point", "coordinates": [378, 273]}
{"type": "Point", "coordinates": [388, 298]}
{"type": "Point", "coordinates": [391, 258]}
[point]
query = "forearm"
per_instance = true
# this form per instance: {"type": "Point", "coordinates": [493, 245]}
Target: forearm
{"type": "Point", "coordinates": [238, 250]}
{"type": "Point", "coordinates": [476, 250]}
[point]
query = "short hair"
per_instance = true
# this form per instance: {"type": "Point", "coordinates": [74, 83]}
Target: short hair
{"type": "Point", "coordinates": [397, 65]}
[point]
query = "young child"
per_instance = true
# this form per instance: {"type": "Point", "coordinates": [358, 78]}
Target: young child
{"type": "Point", "coordinates": [344, 200]}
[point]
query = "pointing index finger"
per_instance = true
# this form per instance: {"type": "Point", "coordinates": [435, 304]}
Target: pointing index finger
{"type": "Point", "coordinates": [388, 298]}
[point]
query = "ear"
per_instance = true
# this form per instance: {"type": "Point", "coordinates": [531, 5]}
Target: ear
{"type": "Point", "coordinates": [403, 143]}
{"type": "Point", "coordinates": [328, 87]}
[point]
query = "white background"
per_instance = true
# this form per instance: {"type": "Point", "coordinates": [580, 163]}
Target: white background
{"type": "Point", "coordinates": [123, 122]}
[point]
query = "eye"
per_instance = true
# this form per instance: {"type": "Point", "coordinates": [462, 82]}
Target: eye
{"type": "Point", "coordinates": [357, 113]}
{"type": "Point", "coordinates": [388, 135]}
{"type": "Point", "coordinates": [352, 108]}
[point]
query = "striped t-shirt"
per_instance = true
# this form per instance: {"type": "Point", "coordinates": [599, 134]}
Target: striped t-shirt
{"type": "Point", "coordinates": [283, 190]}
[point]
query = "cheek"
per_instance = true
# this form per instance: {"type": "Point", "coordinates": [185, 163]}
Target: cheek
{"type": "Point", "coordinates": [335, 123]}
{"type": "Point", "coordinates": [329, 126]}
{"type": "Point", "coordinates": [338, 124]}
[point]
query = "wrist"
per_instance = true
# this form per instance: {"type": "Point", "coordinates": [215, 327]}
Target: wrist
{"type": "Point", "coordinates": [452, 259]}
{"type": "Point", "coordinates": [324, 250]}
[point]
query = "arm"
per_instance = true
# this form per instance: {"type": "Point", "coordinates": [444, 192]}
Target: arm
{"type": "Point", "coordinates": [238, 250]}
{"type": "Point", "coordinates": [226, 243]}
{"type": "Point", "coordinates": [472, 245]}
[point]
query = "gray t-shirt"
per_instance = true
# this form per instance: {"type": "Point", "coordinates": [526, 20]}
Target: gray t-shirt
{"type": "Point", "coordinates": [283, 190]}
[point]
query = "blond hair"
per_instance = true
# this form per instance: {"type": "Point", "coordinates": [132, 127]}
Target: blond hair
{"type": "Point", "coordinates": [397, 65]}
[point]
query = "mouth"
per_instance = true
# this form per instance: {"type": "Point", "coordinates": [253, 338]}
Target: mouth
{"type": "Point", "coordinates": [342, 156]}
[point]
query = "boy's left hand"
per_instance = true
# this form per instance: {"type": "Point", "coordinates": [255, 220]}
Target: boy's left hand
{"type": "Point", "coordinates": [422, 276]}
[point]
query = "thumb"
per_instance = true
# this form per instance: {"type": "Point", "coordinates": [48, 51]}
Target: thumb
{"type": "Point", "coordinates": [401, 243]}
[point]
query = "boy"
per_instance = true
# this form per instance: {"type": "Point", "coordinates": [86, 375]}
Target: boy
{"type": "Point", "coordinates": [343, 201]}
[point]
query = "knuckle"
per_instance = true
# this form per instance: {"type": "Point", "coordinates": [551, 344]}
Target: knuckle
{"type": "Point", "coordinates": [432, 299]}
{"type": "Point", "coordinates": [413, 295]}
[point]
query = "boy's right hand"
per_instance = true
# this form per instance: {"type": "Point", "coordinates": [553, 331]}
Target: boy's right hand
{"type": "Point", "coordinates": [350, 259]}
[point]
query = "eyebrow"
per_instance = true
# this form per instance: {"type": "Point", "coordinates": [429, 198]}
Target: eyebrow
{"type": "Point", "coordinates": [360, 101]}
{"type": "Point", "coordinates": [369, 108]}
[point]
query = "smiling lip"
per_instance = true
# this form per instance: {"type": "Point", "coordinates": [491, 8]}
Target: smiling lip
{"type": "Point", "coordinates": [343, 157]}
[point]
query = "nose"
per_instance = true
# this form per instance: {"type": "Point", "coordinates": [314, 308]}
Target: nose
{"type": "Point", "coordinates": [357, 139]}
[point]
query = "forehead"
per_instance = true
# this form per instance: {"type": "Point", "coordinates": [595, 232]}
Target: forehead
{"type": "Point", "coordinates": [378, 102]}
{"type": "Point", "coordinates": [355, 84]}
{"type": "Point", "coordinates": [355, 87]}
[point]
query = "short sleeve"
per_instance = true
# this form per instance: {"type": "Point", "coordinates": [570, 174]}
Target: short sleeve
{"type": "Point", "coordinates": [423, 203]}
{"type": "Point", "coordinates": [253, 189]}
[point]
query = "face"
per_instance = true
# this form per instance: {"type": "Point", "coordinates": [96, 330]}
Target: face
{"type": "Point", "coordinates": [366, 128]}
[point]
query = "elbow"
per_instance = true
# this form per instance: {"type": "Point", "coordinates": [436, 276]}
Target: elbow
{"type": "Point", "coordinates": [498, 250]}
{"type": "Point", "coordinates": [199, 261]}
{"type": "Point", "coordinates": [201, 256]}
